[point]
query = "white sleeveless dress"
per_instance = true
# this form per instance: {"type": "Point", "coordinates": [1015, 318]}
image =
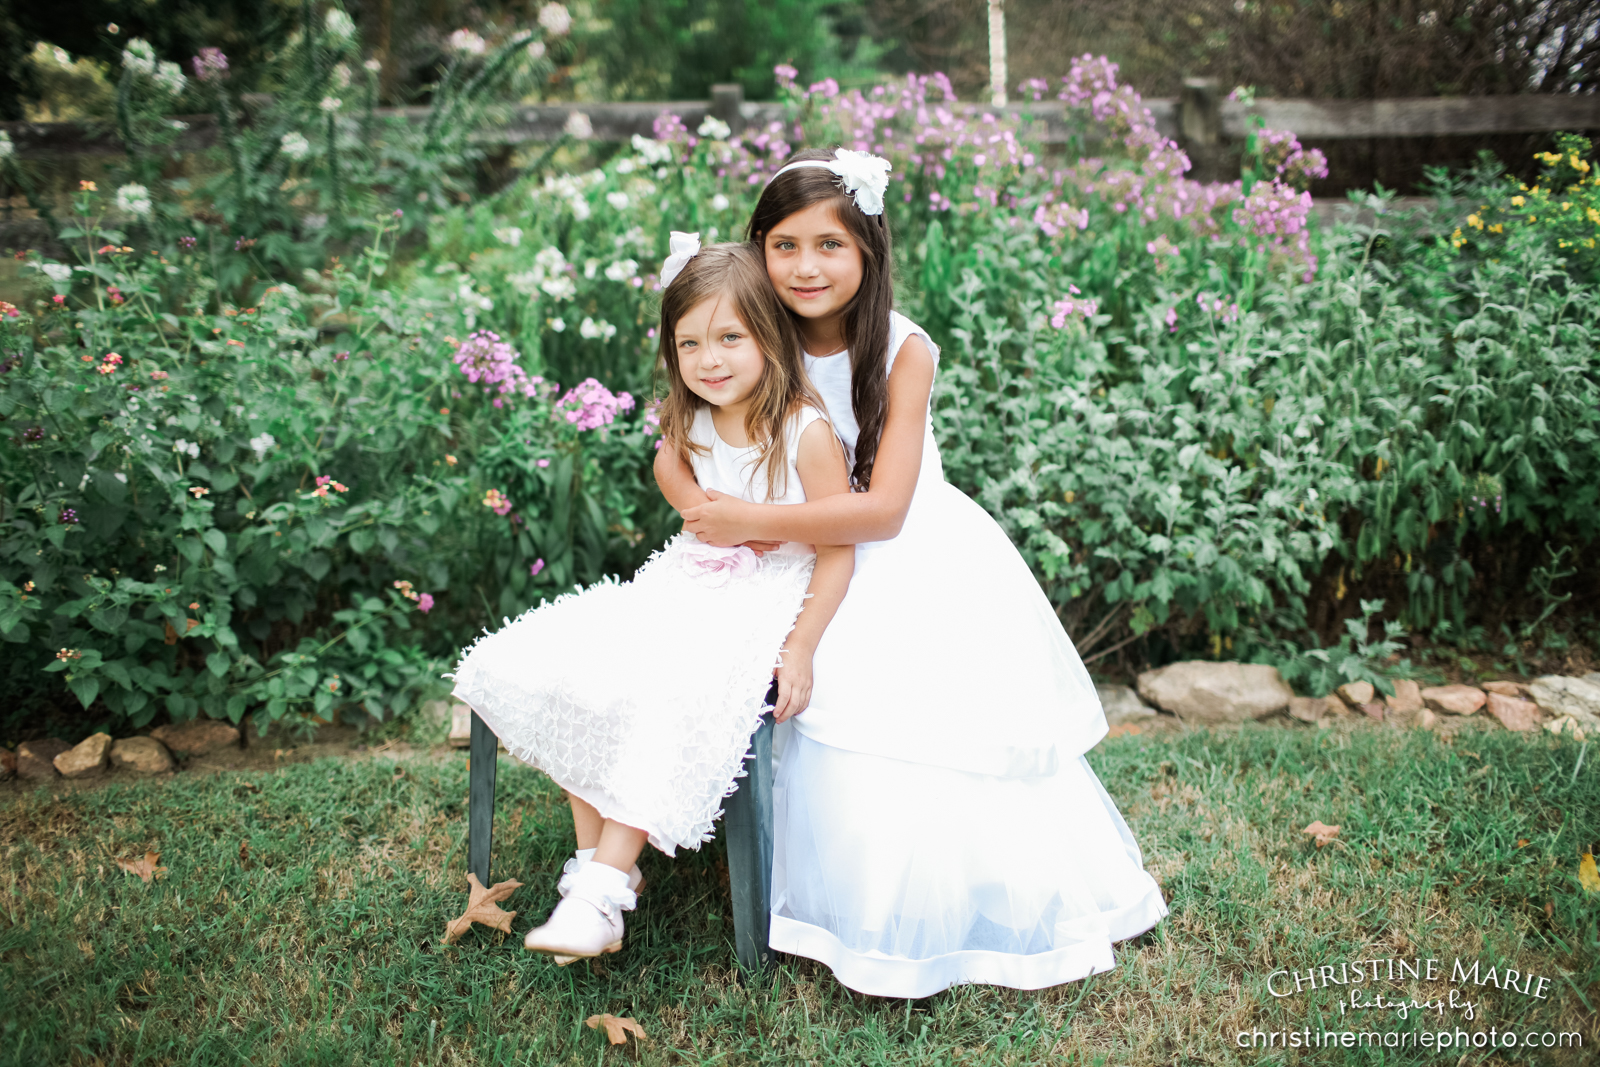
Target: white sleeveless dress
{"type": "Point", "coordinates": [935, 820]}
{"type": "Point", "coordinates": [640, 697]}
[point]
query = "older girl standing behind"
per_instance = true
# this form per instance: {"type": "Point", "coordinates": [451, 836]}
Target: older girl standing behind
{"type": "Point", "coordinates": [936, 821]}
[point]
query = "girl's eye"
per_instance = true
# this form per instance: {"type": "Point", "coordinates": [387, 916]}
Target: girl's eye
{"type": "Point", "coordinates": [730, 338]}
{"type": "Point", "coordinates": [786, 246]}
{"type": "Point", "coordinates": [829, 246]}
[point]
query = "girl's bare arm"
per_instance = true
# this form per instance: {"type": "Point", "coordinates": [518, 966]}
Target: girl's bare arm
{"type": "Point", "coordinates": [848, 518]}
{"type": "Point", "coordinates": [676, 482]}
{"type": "Point", "coordinates": [824, 475]}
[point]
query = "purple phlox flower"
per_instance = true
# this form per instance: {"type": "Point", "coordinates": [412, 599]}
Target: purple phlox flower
{"type": "Point", "coordinates": [1070, 308]}
{"type": "Point", "coordinates": [210, 64]}
{"type": "Point", "coordinates": [488, 361]}
{"type": "Point", "coordinates": [533, 571]}
{"type": "Point", "coordinates": [590, 405]}
{"type": "Point", "coordinates": [68, 516]}
{"type": "Point", "coordinates": [425, 603]}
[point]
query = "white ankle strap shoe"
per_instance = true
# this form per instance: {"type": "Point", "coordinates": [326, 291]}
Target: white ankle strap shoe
{"type": "Point", "coordinates": [588, 921]}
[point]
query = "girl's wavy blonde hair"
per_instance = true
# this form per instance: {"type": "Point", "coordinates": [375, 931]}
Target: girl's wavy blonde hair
{"type": "Point", "coordinates": [736, 272]}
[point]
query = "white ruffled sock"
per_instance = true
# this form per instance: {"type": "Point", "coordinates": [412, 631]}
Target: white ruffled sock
{"type": "Point", "coordinates": [596, 882]}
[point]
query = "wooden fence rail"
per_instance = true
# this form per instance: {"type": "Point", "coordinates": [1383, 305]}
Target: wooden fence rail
{"type": "Point", "coordinates": [1201, 116]}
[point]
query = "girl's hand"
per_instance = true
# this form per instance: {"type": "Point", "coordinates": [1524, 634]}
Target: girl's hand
{"type": "Point", "coordinates": [718, 521]}
{"type": "Point", "coordinates": [761, 548]}
{"type": "Point", "coordinates": [794, 685]}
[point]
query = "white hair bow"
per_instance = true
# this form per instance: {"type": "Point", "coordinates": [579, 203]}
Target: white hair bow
{"type": "Point", "coordinates": [684, 247]}
{"type": "Point", "coordinates": [863, 175]}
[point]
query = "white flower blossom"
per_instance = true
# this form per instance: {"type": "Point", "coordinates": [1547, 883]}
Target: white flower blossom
{"type": "Point", "coordinates": [509, 235]}
{"type": "Point", "coordinates": [550, 260]}
{"type": "Point", "coordinates": [134, 199]}
{"type": "Point", "coordinates": [58, 272]}
{"type": "Point", "coordinates": [622, 270]}
{"type": "Point", "coordinates": [555, 18]}
{"type": "Point", "coordinates": [119, 476]}
{"type": "Point", "coordinates": [330, 104]}
{"type": "Point", "coordinates": [652, 150]}
{"type": "Point", "coordinates": [139, 57]}
{"type": "Point", "coordinates": [472, 298]}
{"type": "Point", "coordinates": [467, 43]}
{"type": "Point", "coordinates": [589, 267]}
{"type": "Point", "coordinates": [626, 165]}
{"type": "Point", "coordinates": [556, 325]}
{"type": "Point", "coordinates": [295, 146]}
{"type": "Point", "coordinates": [373, 66]}
{"type": "Point", "coordinates": [341, 76]}
{"type": "Point", "coordinates": [169, 78]}
{"type": "Point", "coordinates": [618, 201]}
{"type": "Point", "coordinates": [187, 448]}
{"type": "Point", "coordinates": [597, 331]}
{"type": "Point", "coordinates": [535, 50]}
{"type": "Point", "coordinates": [340, 25]}
{"type": "Point", "coordinates": [561, 287]}
{"type": "Point", "coordinates": [579, 126]}
{"type": "Point", "coordinates": [262, 444]}
{"type": "Point", "coordinates": [719, 203]}
{"type": "Point", "coordinates": [715, 129]}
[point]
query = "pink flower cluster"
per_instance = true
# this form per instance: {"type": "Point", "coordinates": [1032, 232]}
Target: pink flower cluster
{"type": "Point", "coordinates": [488, 361]}
{"type": "Point", "coordinates": [324, 483]}
{"type": "Point", "coordinates": [424, 601]}
{"type": "Point", "coordinates": [590, 405]}
{"type": "Point", "coordinates": [210, 64]}
{"type": "Point", "coordinates": [1275, 214]}
{"type": "Point", "coordinates": [1283, 155]}
{"type": "Point", "coordinates": [1071, 308]}
{"type": "Point", "coordinates": [497, 501]}
{"type": "Point", "coordinates": [1211, 305]}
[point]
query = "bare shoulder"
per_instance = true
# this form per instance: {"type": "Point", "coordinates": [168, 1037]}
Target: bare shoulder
{"type": "Point", "coordinates": [820, 461]}
{"type": "Point", "coordinates": [911, 377]}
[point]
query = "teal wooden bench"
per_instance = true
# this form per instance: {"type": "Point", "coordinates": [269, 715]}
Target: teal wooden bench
{"type": "Point", "coordinates": [746, 825]}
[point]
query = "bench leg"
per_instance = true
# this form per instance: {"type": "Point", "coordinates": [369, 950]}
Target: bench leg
{"type": "Point", "coordinates": [747, 820]}
{"type": "Point", "coordinates": [483, 755]}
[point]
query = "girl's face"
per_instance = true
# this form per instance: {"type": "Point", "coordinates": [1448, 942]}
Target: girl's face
{"type": "Point", "coordinates": [717, 355]}
{"type": "Point", "coordinates": [814, 262]}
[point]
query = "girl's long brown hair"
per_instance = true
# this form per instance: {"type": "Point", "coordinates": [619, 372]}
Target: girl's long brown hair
{"type": "Point", "coordinates": [738, 273]}
{"type": "Point", "coordinates": [866, 317]}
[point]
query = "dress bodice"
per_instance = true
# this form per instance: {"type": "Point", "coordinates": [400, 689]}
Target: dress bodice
{"type": "Point", "coordinates": [831, 377]}
{"type": "Point", "coordinates": [740, 471]}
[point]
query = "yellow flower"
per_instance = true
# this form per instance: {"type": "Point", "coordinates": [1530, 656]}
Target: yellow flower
{"type": "Point", "coordinates": [1518, 201]}
{"type": "Point", "coordinates": [1497, 228]}
{"type": "Point", "coordinates": [1475, 222]}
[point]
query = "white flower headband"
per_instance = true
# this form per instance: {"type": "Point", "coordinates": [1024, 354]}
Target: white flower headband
{"type": "Point", "coordinates": [862, 174]}
{"type": "Point", "coordinates": [684, 247]}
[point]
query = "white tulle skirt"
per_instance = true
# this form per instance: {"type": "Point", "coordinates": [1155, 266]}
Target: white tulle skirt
{"type": "Point", "coordinates": [640, 697]}
{"type": "Point", "coordinates": [906, 878]}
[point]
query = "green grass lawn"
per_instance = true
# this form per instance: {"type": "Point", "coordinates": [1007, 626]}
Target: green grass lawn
{"type": "Point", "coordinates": [301, 917]}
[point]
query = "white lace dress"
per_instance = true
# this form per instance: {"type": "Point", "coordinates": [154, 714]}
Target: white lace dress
{"type": "Point", "coordinates": [640, 697]}
{"type": "Point", "coordinates": [935, 820]}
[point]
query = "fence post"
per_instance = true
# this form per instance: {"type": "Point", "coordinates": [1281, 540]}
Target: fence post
{"type": "Point", "coordinates": [727, 100]}
{"type": "Point", "coordinates": [1200, 127]}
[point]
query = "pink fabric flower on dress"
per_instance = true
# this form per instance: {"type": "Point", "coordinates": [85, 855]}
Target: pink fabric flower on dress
{"type": "Point", "coordinates": [714, 566]}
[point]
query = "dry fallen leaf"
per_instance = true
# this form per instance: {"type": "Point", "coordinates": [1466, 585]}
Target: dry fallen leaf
{"type": "Point", "coordinates": [1130, 728]}
{"type": "Point", "coordinates": [1321, 834]}
{"type": "Point", "coordinates": [1588, 876]}
{"type": "Point", "coordinates": [617, 1029]}
{"type": "Point", "coordinates": [482, 908]}
{"type": "Point", "coordinates": [146, 868]}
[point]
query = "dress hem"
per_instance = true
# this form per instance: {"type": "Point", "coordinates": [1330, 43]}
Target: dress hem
{"type": "Point", "coordinates": [881, 975]}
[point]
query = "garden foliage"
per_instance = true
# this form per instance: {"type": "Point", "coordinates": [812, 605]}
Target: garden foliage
{"type": "Point", "coordinates": [235, 488]}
